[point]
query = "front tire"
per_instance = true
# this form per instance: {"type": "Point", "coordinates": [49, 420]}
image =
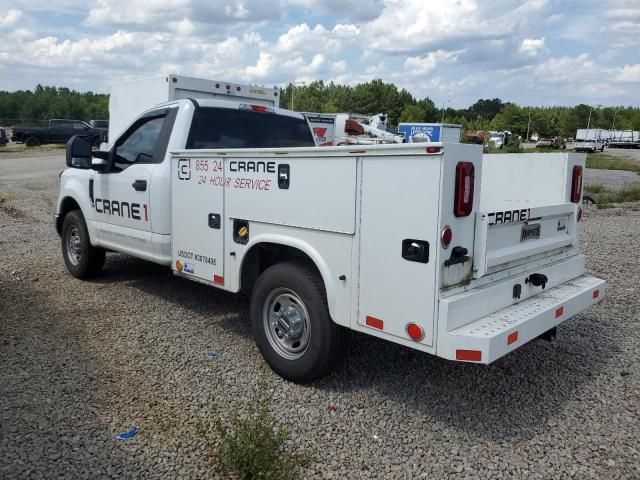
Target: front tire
{"type": "Point", "coordinates": [32, 142]}
{"type": "Point", "coordinates": [81, 258]}
{"type": "Point", "coordinates": [291, 323]}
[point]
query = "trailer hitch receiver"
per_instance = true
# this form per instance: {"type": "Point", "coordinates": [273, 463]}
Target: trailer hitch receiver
{"type": "Point", "coordinates": [537, 280]}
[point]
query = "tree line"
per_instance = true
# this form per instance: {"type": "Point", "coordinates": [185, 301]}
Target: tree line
{"type": "Point", "coordinates": [38, 106]}
{"type": "Point", "coordinates": [376, 96]}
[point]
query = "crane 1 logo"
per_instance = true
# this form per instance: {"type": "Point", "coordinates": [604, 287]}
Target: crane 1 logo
{"type": "Point", "coordinates": [184, 169]}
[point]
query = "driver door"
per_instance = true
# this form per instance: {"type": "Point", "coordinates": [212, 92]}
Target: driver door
{"type": "Point", "coordinates": [121, 193]}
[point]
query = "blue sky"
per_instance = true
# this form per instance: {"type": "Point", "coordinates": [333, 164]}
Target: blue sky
{"type": "Point", "coordinates": [535, 52]}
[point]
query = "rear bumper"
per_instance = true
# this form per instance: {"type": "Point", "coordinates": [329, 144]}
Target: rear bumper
{"type": "Point", "coordinates": [493, 336]}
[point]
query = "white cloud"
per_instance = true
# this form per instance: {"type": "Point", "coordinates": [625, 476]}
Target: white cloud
{"type": "Point", "coordinates": [10, 18]}
{"type": "Point", "coordinates": [629, 73]}
{"type": "Point", "coordinates": [424, 65]}
{"type": "Point", "coordinates": [532, 46]}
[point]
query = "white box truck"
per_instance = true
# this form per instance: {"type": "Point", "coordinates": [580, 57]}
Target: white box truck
{"type": "Point", "coordinates": [431, 246]}
{"type": "Point", "coordinates": [128, 99]}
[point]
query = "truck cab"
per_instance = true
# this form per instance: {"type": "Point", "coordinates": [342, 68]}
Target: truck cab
{"type": "Point", "coordinates": [116, 191]}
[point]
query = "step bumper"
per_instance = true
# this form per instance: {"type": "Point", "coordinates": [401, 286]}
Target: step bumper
{"type": "Point", "coordinates": [493, 336]}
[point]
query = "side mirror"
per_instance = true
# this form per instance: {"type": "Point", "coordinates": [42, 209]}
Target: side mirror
{"type": "Point", "coordinates": [100, 160]}
{"type": "Point", "coordinates": [79, 152]}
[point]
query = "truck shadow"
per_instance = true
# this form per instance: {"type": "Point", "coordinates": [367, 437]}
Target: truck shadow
{"type": "Point", "coordinates": [228, 310]}
{"type": "Point", "coordinates": [512, 398]}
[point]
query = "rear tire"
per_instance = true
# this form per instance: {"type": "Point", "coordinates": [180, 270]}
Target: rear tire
{"type": "Point", "coordinates": [32, 142]}
{"type": "Point", "coordinates": [291, 323]}
{"type": "Point", "coordinates": [82, 259]}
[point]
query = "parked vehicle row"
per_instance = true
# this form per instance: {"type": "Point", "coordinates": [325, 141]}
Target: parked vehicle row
{"type": "Point", "coordinates": [58, 131]}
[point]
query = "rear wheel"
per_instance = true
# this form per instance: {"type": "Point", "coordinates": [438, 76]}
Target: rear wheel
{"type": "Point", "coordinates": [82, 259]}
{"type": "Point", "coordinates": [32, 142]}
{"type": "Point", "coordinates": [291, 323]}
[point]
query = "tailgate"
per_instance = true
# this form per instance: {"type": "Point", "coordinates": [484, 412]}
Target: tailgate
{"type": "Point", "coordinates": [505, 239]}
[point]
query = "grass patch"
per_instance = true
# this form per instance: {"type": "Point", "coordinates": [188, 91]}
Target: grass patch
{"type": "Point", "coordinates": [606, 198]}
{"type": "Point", "coordinates": [251, 445]}
{"type": "Point", "coordinates": [608, 162]}
{"type": "Point", "coordinates": [593, 189]}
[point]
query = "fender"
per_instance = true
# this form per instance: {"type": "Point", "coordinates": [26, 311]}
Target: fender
{"type": "Point", "coordinates": [74, 184]}
{"type": "Point", "coordinates": [339, 315]}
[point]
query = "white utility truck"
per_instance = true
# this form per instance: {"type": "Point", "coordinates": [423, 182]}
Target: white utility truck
{"type": "Point", "coordinates": [427, 245]}
{"type": "Point", "coordinates": [128, 99]}
{"type": "Point", "coordinates": [590, 140]}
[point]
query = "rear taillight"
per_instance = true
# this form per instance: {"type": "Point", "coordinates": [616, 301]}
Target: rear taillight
{"type": "Point", "coordinates": [464, 189]}
{"type": "Point", "coordinates": [576, 184]}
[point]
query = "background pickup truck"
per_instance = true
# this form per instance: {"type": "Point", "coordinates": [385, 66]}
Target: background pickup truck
{"type": "Point", "coordinates": [58, 131]}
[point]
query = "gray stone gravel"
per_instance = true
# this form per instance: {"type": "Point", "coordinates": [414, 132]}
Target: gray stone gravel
{"type": "Point", "coordinates": [81, 362]}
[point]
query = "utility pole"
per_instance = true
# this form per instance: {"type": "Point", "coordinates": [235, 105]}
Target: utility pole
{"type": "Point", "coordinates": [589, 121]}
{"type": "Point", "coordinates": [443, 104]}
{"type": "Point", "coordinates": [528, 125]}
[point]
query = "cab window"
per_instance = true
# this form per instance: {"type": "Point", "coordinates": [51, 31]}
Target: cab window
{"type": "Point", "coordinates": [139, 144]}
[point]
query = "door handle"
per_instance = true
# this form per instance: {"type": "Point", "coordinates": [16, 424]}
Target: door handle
{"type": "Point", "coordinates": [140, 185]}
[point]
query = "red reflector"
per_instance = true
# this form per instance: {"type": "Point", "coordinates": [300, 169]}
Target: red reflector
{"type": "Point", "coordinates": [576, 184]}
{"type": "Point", "coordinates": [258, 108]}
{"type": "Point", "coordinates": [469, 355]}
{"type": "Point", "coordinates": [595, 294]}
{"type": "Point", "coordinates": [559, 312]}
{"type": "Point", "coordinates": [374, 322]}
{"type": "Point", "coordinates": [415, 332]}
{"type": "Point", "coordinates": [512, 338]}
{"type": "Point", "coordinates": [446, 236]}
{"type": "Point", "coordinates": [433, 149]}
{"type": "Point", "coordinates": [463, 201]}
{"type": "Point", "coordinates": [219, 279]}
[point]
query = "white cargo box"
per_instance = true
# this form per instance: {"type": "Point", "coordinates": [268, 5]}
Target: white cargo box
{"type": "Point", "coordinates": [356, 212]}
{"type": "Point", "coordinates": [128, 99]}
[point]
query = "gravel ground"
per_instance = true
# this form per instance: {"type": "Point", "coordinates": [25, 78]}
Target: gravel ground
{"type": "Point", "coordinates": [81, 362]}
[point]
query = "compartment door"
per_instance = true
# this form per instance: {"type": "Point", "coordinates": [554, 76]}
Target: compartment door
{"type": "Point", "coordinates": [399, 207]}
{"type": "Point", "coordinates": [197, 208]}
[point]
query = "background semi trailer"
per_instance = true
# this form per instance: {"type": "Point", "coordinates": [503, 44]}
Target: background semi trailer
{"type": "Point", "coordinates": [128, 99]}
{"type": "Point", "coordinates": [431, 246]}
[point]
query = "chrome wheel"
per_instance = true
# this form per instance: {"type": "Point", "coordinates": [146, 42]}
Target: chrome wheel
{"type": "Point", "coordinates": [74, 245]}
{"type": "Point", "coordinates": [286, 323]}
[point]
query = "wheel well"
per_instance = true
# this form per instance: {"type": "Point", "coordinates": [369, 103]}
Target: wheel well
{"type": "Point", "coordinates": [67, 205]}
{"type": "Point", "coordinates": [264, 255]}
